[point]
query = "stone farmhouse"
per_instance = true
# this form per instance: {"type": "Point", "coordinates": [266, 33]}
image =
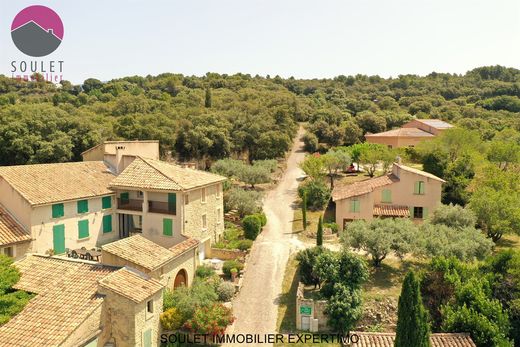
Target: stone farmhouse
{"type": "Point", "coordinates": [153, 221]}
{"type": "Point", "coordinates": [405, 192]}
{"type": "Point", "coordinates": [410, 134]}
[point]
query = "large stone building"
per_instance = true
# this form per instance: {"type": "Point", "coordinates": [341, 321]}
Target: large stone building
{"type": "Point", "coordinates": [84, 304]}
{"type": "Point", "coordinates": [405, 192]}
{"type": "Point", "coordinates": [410, 134]}
{"type": "Point", "coordinates": [49, 208]}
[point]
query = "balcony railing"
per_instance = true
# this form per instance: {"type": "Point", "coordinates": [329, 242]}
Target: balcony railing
{"type": "Point", "coordinates": [130, 204]}
{"type": "Point", "coordinates": [161, 207]}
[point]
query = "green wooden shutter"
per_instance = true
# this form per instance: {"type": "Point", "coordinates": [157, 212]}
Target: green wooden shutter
{"type": "Point", "coordinates": [357, 205]}
{"type": "Point", "coordinates": [411, 211]}
{"type": "Point", "coordinates": [106, 202]}
{"type": "Point", "coordinates": [172, 202]}
{"type": "Point", "coordinates": [58, 210]}
{"type": "Point", "coordinates": [82, 206]}
{"type": "Point", "coordinates": [416, 188]}
{"type": "Point", "coordinates": [83, 229]}
{"type": "Point", "coordinates": [125, 198]}
{"type": "Point", "coordinates": [421, 187]}
{"type": "Point", "coordinates": [167, 227]}
{"type": "Point", "coordinates": [352, 206]}
{"type": "Point", "coordinates": [425, 212]}
{"type": "Point", "coordinates": [58, 238]}
{"type": "Point", "coordinates": [107, 223]}
{"type": "Point", "coordinates": [387, 195]}
{"type": "Point", "coordinates": [147, 338]}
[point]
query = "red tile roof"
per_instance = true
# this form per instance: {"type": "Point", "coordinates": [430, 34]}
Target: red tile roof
{"type": "Point", "coordinates": [402, 132]}
{"type": "Point", "coordinates": [184, 246]}
{"type": "Point", "coordinates": [344, 191]}
{"type": "Point", "coordinates": [391, 211]}
{"type": "Point", "coordinates": [367, 339]}
{"type": "Point", "coordinates": [10, 230]}
{"type": "Point", "coordinates": [131, 284]}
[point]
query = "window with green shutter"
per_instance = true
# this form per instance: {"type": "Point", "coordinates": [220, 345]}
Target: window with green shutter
{"type": "Point", "coordinates": [167, 227]}
{"type": "Point", "coordinates": [125, 198]}
{"type": "Point", "coordinates": [147, 338]}
{"type": "Point", "coordinates": [83, 229]}
{"type": "Point", "coordinates": [386, 195]}
{"type": "Point", "coordinates": [82, 206]}
{"type": "Point", "coordinates": [58, 210]}
{"type": "Point", "coordinates": [419, 188]}
{"type": "Point", "coordinates": [106, 202]}
{"type": "Point", "coordinates": [172, 203]}
{"type": "Point", "coordinates": [354, 205]}
{"type": "Point", "coordinates": [107, 223]}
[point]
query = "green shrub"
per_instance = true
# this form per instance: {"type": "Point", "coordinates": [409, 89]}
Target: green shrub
{"type": "Point", "coordinates": [244, 201]}
{"type": "Point", "coordinates": [171, 320]}
{"type": "Point", "coordinates": [333, 226]}
{"type": "Point", "coordinates": [225, 291]}
{"type": "Point", "coordinates": [231, 264]}
{"type": "Point", "coordinates": [212, 320]}
{"type": "Point", "coordinates": [252, 226]}
{"type": "Point", "coordinates": [318, 194]}
{"type": "Point", "coordinates": [185, 299]}
{"type": "Point", "coordinates": [262, 217]}
{"type": "Point", "coordinates": [244, 245]}
{"type": "Point", "coordinates": [204, 271]}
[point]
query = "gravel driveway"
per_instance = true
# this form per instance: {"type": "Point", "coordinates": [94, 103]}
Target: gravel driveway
{"type": "Point", "coordinates": [256, 306]}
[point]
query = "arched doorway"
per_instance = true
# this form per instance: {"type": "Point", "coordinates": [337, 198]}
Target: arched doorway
{"type": "Point", "coordinates": [181, 279]}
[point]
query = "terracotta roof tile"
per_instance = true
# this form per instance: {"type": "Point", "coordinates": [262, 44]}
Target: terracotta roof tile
{"type": "Point", "coordinates": [147, 173]}
{"type": "Point", "coordinates": [48, 183]}
{"type": "Point", "coordinates": [131, 284]}
{"type": "Point", "coordinates": [367, 339]}
{"type": "Point", "coordinates": [140, 251]}
{"type": "Point", "coordinates": [344, 191]}
{"type": "Point", "coordinates": [66, 297]}
{"type": "Point", "coordinates": [402, 132]}
{"type": "Point", "coordinates": [10, 230]}
{"type": "Point", "coordinates": [391, 210]}
{"type": "Point", "coordinates": [418, 172]}
{"type": "Point", "coordinates": [184, 246]}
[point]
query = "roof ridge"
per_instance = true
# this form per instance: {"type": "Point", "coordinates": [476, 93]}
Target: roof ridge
{"type": "Point", "coordinates": [159, 171]}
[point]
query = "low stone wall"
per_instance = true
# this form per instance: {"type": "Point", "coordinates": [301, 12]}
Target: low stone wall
{"type": "Point", "coordinates": [227, 254]}
{"type": "Point", "coordinates": [310, 314]}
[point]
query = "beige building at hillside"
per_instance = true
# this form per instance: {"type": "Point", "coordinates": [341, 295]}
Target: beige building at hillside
{"type": "Point", "coordinates": [410, 134]}
{"type": "Point", "coordinates": [49, 208]}
{"type": "Point", "coordinates": [405, 192]}
{"type": "Point", "coordinates": [84, 304]}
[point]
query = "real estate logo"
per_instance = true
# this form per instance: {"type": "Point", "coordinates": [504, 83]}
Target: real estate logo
{"type": "Point", "coordinates": [37, 31]}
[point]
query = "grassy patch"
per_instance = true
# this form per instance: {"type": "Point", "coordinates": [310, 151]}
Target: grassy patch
{"type": "Point", "coordinates": [286, 321]}
{"type": "Point", "coordinates": [507, 242]}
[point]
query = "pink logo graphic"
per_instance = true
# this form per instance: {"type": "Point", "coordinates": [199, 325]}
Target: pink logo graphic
{"type": "Point", "coordinates": [37, 31]}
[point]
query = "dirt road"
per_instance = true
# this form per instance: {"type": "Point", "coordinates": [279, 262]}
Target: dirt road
{"type": "Point", "coordinates": [255, 307]}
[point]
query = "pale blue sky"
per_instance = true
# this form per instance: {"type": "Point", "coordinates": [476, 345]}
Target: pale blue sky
{"type": "Point", "coordinates": [301, 38]}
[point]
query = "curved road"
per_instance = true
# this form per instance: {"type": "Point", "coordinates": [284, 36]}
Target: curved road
{"type": "Point", "coordinates": [256, 306]}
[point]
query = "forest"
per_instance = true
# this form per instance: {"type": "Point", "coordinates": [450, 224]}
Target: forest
{"type": "Point", "coordinates": [242, 116]}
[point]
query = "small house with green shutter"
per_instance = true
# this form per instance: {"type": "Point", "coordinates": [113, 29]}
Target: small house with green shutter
{"type": "Point", "coordinates": [405, 192]}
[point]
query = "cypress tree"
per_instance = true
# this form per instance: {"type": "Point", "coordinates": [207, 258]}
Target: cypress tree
{"type": "Point", "coordinates": [304, 210]}
{"type": "Point", "coordinates": [207, 101]}
{"type": "Point", "coordinates": [319, 234]}
{"type": "Point", "coordinates": [412, 320]}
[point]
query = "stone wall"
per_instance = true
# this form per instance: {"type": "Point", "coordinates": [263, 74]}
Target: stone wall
{"type": "Point", "coordinates": [314, 309]}
{"type": "Point", "coordinates": [213, 208]}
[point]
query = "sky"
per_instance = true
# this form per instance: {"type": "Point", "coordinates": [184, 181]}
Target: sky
{"type": "Point", "coordinates": [301, 38]}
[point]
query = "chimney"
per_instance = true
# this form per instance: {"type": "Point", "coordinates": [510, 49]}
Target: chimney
{"type": "Point", "coordinates": [119, 159]}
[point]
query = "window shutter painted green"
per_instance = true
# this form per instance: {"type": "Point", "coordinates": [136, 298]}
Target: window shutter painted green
{"type": "Point", "coordinates": [416, 188]}
{"type": "Point", "coordinates": [172, 202]}
{"type": "Point", "coordinates": [107, 223]}
{"type": "Point", "coordinates": [58, 238]}
{"type": "Point", "coordinates": [83, 229]}
{"type": "Point", "coordinates": [357, 205]}
{"type": "Point", "coordinates": [421, 187]}
{"type": "Point", "coordinates": [387, 195]}
{"type": "Point", "coordinates": [82, 206]}
{"type": "Point", "coordinates": [106, 202]}
{"type": "Point", "coordinates": [167, 227]}
{"type": "Point", "coordinates": [125, 198]}
{"type": "Point", "coordinates": [147, 338]}
{"type": "Point", "coordinates": [425, 212]}
{"type": "Point", "coordinates": [411, 211]}
{"type": "Point", "coordinates": [58, 210]}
